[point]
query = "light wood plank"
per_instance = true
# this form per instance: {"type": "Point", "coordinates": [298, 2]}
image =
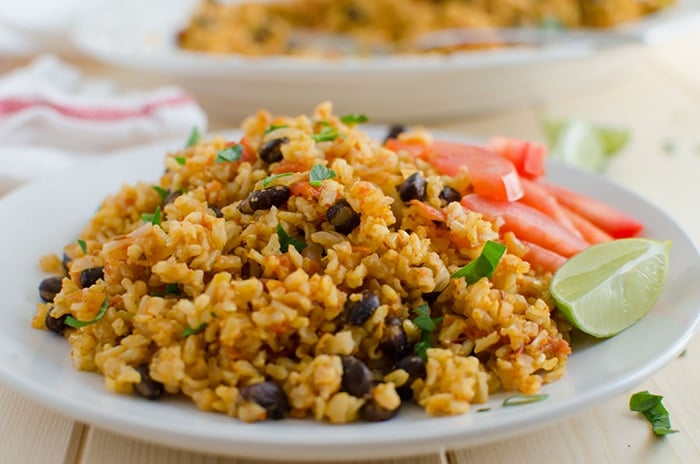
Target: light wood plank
{"type": "Point", "coordinates": [30, 433]}
{"type": "Point", "coordinates": [107, 448]}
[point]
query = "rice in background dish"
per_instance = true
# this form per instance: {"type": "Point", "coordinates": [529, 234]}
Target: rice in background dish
{"type": "Point", "coordinates": [266, 297]}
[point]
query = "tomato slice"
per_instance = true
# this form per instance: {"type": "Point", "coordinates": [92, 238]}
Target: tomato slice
{"type": "Point", "coordinates": [527, 224]}
{"type": "Point", "coordinates": [537, 197]}
{"type": "Point", "coordinates": [611, 220]}
{"type": "Point", "coordinates": [543, 258]}
{"type": "Point", "coordinates": [491, 175]}
{"type": "Point", "coordinates": [589, 231]}
{"type": "Point", "coordinates": [527, 157]}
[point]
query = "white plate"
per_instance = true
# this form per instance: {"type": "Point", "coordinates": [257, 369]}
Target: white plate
{"type": "Point", "coordinates": [42, 217]}
{"type": "Point", "coordinates": [140, 34]}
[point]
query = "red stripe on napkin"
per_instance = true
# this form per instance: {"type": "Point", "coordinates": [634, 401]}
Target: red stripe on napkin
{"type": "Point", "coordinates": [14, 105]}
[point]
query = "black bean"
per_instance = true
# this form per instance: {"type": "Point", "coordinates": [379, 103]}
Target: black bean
{"type": "Point", "coordinates": [342, 217]}
{"type": "Point", "coordinates": [88, 277]}
{"type": "Point", "coordinates": [269, 396]}
{"type": "Point", "coordinates": [55, 324]}
{"type": "Point", "coordinates": [271, 152]}
{"type": "Point", "coordinates": [147, 387]}
{"type": "Point", "coordinates": [372, 412]}
{"type": "Point", "coordinates": [313, 251]}
{"type": "Point", "coordinates": [357, 378]}
{"type": "Point", "coordinates": [394, 344]}
{"type": "Point", "coordinates": [66, 262]}
{"type": "Point", "coordinates": [448, 195]}
{"type": "Point", "coordinates": [413, 188]}
{"type": "Point", "coordinates": [265, 199]}
{"type": "Point", "coordinates": [394, 131]}
{"type": "Point", "coordinates": [49, 288]}
{"type": "Point", "coordinates": [171, 197]}
{"type": "Point", "coordinates": [359, 311]}
{"type": "Point", "coordinates": [217, 211]}
{"type": "Point", "coordinates": [431, 297]}
{"type": "Point", "coordinates": [415, 367]}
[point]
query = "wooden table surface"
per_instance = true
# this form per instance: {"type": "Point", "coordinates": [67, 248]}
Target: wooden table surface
{"type": "Point", "coordinates": [660, 104]}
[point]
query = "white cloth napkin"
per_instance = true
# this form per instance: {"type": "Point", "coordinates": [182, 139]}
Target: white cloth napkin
{"type": "Point", "coordinates": [51, 116]}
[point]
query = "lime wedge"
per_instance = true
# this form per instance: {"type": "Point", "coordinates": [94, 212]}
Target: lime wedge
{"type": "Point", "coordinates": [582, 143]}
{"type": "Point", "coordinates": [610, 286]}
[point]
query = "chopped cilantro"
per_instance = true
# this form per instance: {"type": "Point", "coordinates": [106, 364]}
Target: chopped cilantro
{"type": "Point", "coordinates": [230, 154]}
{"type": "Point", "coordinates": [82, 245]}
{"type": "Point", "coordinates": [427, 325]}
{"type": "Point", "coordinates": [194, 137]}
{"type": "Point", "coordinates": [172, 289]}
{"type": "Point", "coordinates": [274, 127]}
{"type": "Point", "coordinates": [270, 179]}
{"type": "Point", "coordinates": [286, 240]}
{"type": "Point", "coordinates": [181, 160]}
{"type": "Point", "coordinates": [354, 118]}
{"type": "Point", "coordinates": [327, 134]}
{"type": "Point", "coordinates": [162, 192]}
{"type": "Point", "coordinates": [484, 264]}
{"type": "Point", "coordinates": [154, 217]}
{"type": "Point", "coordinates": [194, 330]}
{"type": "Point", "coordinates": [653, 410]}
{"type": "Point", "coordinates": [519, 399]}
{"type": "Point", "coordinates": [318, 173]}
{"type": "Point", "coordinates": [483, 409]}
{"type": "Point", "coordinates": [76, 324]}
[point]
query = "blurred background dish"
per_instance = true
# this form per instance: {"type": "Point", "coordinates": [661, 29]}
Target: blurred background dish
{"type": "Point", "coordinates": [427, 87]}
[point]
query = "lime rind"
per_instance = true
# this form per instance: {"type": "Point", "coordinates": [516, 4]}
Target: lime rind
{"type": "Point", "coordinates": [610, 286]}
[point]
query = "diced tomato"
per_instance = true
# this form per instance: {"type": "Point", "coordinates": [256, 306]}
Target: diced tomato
{"type": "Point", "coordinates": [537, 197]}
{"type": "Point", "coordinates": [527, 224]}
{"type": "Point", "coordinates": [611, 220]}
{"type": "Point", "coordinates": [492, 176]}
{"type": "Point", "coordinates": [543, 258]}
{"type": "Point", "coordinates": [527, 157]}
{"type": "Point", "coordinates": [428, 212]}
{"type": "Point", "coordinates": [304, 189]}
{"type": "Point", "coordinates": [589, 231]}
{"type": "Point", "coordinates": [290, 166]}
{"type": "Point", "coordinates": [416, 149]}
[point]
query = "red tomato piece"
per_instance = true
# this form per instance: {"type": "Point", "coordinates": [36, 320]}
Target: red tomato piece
{"type": "Point", "coordinates": [537, 197]}
{"type": "Point", "coordinates": [527, 157]}
{"type": "Point", "coordinates": [611, 220]}
{"type": "Point", "coordinates": [543, 258]}
{"type": "Point", "coordinates": [589, 231]}
{"type": "Point", "coordinates": [414, 148]}
{"type": "Point", "coordinates": [492, 176]}
{"type": "Point", "coordinates": [428, 212]}
{"type": "Point", "coordinates": [527, 224]}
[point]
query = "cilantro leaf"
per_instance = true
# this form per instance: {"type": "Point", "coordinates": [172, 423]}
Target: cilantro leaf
{"type": "Point", "coordinates": [653, 410]}
{"type": "Point", "coordinates": [354, 118]}
{"type": "Point", "coordinates": [194, 138]}
{"type": "Point", "coordinates": [82, 245]}
{"type": "Point", "coordinates": [270, 179]}
{"type": "Point", "coordinates": [318, 173]}
{"type": "Point", "coordinates": [172, 289]}
{"type": "Point", "coordinates": [154, 218]}
{"type": "Point", "coordinates": [76, 324]}
{"type": "Point", "coordinates": [484, 264]}
{"type": "Point", "coordinates": [162, 192]}
{"type": "Point", "coordinates": [327, 134]}
{"type": "Point", "coordinates": [230, 154]}
{"type": "Point", "coordinates": [427, 324]}
{"type": "Point", "coordinates": [286, 240]}
{"type": "Point", "coordinates": [274, 127]}
{"type": "Point", "coordinates": [181, 160]}
{"type": "Point", "coordinates": [194, 330]}
{"type": "Point", "coordinates": [520, 399]}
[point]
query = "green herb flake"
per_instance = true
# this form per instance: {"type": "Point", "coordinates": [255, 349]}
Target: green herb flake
{"type": "Point", "coordinates": [162, 192]}
{"type": "Point", "coordinates": [483, 409]}
{"type": "Point", "coordinates": [230, 154]}
{"type": "Point", "coordinates": [274, 127]}
{"type": "Point", "coordinates": [194, 330]}
{"type": "Point", "coordinates": [76, 324]}
{"type": "Point", "coordinates": [519, 399]}
{"type": "Point", "coordinates": [181, 160]}
{"type": "Point", "coordinates": [327, 134]}
{"type": "Point", "coordinates": [194, 137]}
{"type": "Point", "coordinates": [82, 245]}
{"type": "Point", "coordinates": [484, 264]}
{"type": "Point", "coordinates": [427, 324]}
{"type": "Point", "coordinates": [653, 410]}
{"type": "Point", "coordinates": [354, 118]}
{"type": "Point", "coordinates": [270, 179]}
{"type": "Point", "coordinates": [286, 240]}
{"type": "Point", "coordinates": [172, 289]}
{"type": "Point", "coordinates": [154, 217]}
{"type": "Point", "coordinates": [319, 173]}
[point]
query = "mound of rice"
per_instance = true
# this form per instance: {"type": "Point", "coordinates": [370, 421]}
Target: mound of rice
{"type": "Point", "coordinates": [275, 311]}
